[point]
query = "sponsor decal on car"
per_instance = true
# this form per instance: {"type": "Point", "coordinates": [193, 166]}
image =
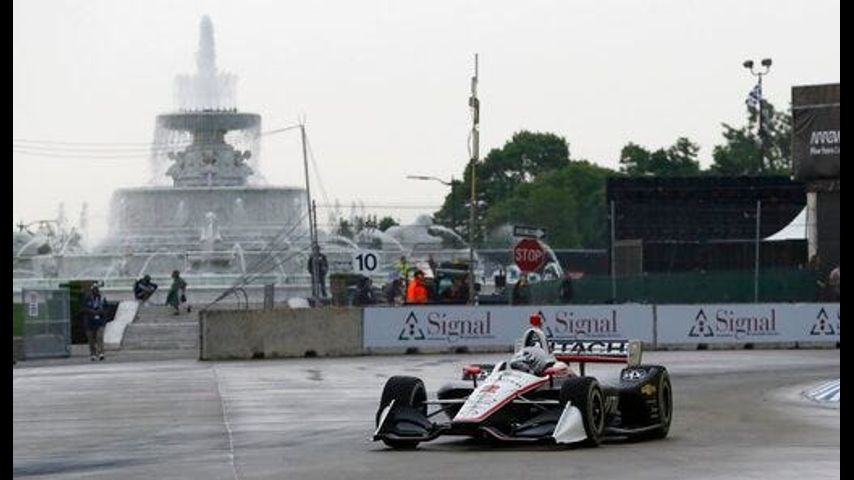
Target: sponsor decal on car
{"type": "Point", "coordinates": [634, 374]}
{"type": "Point", "coordinates": [648, 389]}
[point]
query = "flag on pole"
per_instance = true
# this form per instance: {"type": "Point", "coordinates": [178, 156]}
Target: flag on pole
{"type": "Point", "coordinates": [754, 97]}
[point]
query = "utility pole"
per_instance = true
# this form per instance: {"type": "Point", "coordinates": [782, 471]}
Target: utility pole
{"type": "Point", "coordinates": [312, 226]}
{"type": "Point", "coordinates": [474, 103]}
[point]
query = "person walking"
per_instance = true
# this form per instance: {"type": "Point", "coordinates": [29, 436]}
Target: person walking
{"type": "Point", "coordinates": [416, 291]}
{"type": "Point", "coordinates": [322, 269]}
{"type": "Point", "coordinates": [521, 295]}
{"type": "Point", "coordinates": [177, 295]}
{"type": "Point", "coordinates": [95, 320]}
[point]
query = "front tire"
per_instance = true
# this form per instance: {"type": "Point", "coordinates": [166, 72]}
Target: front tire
{"type": "Point", "coordinates": [585, 394]}
{"type": "Point", "coordinates": [405, 392]}
{"type": "Point", "coordinates": [665, 406]}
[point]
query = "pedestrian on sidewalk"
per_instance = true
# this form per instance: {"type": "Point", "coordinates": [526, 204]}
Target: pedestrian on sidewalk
{"type": "Point", "coordinates": [95, 321]}
{"type": "Point", "coordinates": [177, 293]}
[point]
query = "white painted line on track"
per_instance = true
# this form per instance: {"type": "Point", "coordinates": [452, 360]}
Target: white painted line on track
{"type": "Point", "coordinates": [826, 392]}
{"type": "Point", "coordinates": [227, 424]}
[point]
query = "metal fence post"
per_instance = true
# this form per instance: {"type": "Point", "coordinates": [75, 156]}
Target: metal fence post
{"type": "Point", "coordinates": [756, 254]}
{"type": "Point", "coordinates": [613, 254]}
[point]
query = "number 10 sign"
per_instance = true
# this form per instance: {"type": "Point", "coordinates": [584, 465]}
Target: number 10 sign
{"type": "Point", "coordinates": [365, 261]}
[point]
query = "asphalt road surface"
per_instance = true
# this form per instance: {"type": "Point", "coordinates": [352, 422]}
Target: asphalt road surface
{"type": "Point", "coordinates": [737, 414]}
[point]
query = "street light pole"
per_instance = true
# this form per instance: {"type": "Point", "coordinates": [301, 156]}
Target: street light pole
{"type": "Point", "coordinates": [474, 103]}
{"type": "Point", "coordinates": [451, 184]}
{"type": "Point", "coordinates": [748, 64]}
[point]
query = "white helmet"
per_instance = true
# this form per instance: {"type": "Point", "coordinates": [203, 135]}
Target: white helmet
{"type": "Point", "coordinates": [531, 360]}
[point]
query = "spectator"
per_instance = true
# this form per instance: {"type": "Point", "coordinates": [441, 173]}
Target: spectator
{"type": "Point", "coordinates": [416, 292]}
{"type": "Point", "coordinates": [394, 290]}
{"type": "Point", "coordinates": [403, 267]}
{"type": "Point", "coordinates": [177, 293]}
{"type": "Point", "coordinates": [432, 264]}
{"type": "Point", "coordinates": [521, 295]}
{"type": "Point", "coordinates": [566, 288]}
{"type": "Point", "coordinates": [833, 280]}
{"type": "Point", "coordinates": [500, 279]}
{"type": "Point", "coordinates": [144, 288]}
{"type": "Point", "coordinates": [95, 320]}
{"type": "Point", "coordinates": [322, 270]}
{"type": "Point", "coordinates": [364, 294]}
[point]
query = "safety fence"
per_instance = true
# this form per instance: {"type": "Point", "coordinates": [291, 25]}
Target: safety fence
{"type": "Point", "coordinates": [736, 286]}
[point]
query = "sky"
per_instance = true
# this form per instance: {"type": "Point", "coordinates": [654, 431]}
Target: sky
{"type": "Point", "coordinates": [383, 85]}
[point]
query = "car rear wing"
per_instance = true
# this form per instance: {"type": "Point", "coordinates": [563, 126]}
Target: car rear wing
{"type": "Point", "coordinates": [597, 351]}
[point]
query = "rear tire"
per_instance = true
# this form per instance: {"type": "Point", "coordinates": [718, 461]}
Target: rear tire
{"type": "Point", "coordinates": [585, 394]}
{"type": "Point", "coordinates": [405, 392]}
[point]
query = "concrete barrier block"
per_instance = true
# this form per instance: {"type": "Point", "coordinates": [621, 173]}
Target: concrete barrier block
{"type": "Point", "coordinates": [246, 334]}
{"type": "Point", "coordinates": [17, 348]}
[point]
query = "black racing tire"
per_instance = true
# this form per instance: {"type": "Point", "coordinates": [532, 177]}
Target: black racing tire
{"type": "Point", "coordinates": [665, 405]}
{"type": "Point", "coordinates": [406, 392]}
{"type": "Point", "coordinates": [586, 394]}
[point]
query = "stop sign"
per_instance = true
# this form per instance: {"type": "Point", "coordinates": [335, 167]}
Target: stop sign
{"type": "Point", "coordinates": [528, 254]}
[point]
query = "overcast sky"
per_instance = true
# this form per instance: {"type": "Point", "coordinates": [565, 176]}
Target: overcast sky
{"type": "Point", "coordinates": [384, 83]}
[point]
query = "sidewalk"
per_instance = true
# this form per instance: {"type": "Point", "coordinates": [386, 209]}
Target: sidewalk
{"type": "Point", "coordinates": [80, 355]}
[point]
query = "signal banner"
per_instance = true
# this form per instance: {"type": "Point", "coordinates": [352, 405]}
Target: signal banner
{"type": "Point", "coordinates": [748, 323]}
{"type": "Point", "coordinates": [454, 326]}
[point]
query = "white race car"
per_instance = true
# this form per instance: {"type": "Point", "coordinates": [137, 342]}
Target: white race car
{"type": "Point", "coordinates": [534, 397]}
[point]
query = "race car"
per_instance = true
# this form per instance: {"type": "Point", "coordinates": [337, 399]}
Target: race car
{"type": "Point", "coordinates": [535, 396]}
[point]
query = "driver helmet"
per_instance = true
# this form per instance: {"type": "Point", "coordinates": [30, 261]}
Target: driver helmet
{"type": "Point", "coordinates": [532, 360]}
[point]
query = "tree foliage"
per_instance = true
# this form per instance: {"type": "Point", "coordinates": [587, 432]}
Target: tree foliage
{"type": "Point", "coordinates": [678, 160]}
{"type": "Point", "coordinates": [526, 156]}
{"type": "Point", "coordinates": [349, 228]}
{"type": "Point", "coordinates": [741, 153]}
{"type": "Point", "coordinates": [568, 202]}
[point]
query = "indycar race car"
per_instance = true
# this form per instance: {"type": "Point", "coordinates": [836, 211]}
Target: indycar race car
{"type": "Point", "coordinates": [534, 397]}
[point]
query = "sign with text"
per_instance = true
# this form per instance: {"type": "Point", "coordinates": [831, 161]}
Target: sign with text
{"type": "Point", "coordinates": [526, 231]}
{"type": "Point", "coordinates": [816, 132]}
{"type": "Point", "coordinates": [528, 254]}
{"type": "Point", "coordinates": [365, 261]}
{"type": "Point", "coordinates": [748, 323]}
{"type": "Point", "coordinates": [452, 326]}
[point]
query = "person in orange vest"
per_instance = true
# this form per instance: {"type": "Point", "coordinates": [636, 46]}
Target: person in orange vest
{"type": "Point", "coordinates": [416, 291]}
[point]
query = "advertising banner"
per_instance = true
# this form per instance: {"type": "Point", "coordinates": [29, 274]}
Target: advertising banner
{"type": "Point", "coordinates": [455, 326]}
{"type": "Point", "coordinates": [748, 323]}
{"type": "Point", "coordinates": [815, 135]}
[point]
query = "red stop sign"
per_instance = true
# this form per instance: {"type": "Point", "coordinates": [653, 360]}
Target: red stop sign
{"type": "Point", "coordinates": [528, 254]}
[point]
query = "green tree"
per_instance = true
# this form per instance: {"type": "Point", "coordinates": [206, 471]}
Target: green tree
{"type": "Point", "coordinates": [344, 228]}
{"type": "Point", "coordinates": [386, 223]}
{"type": "Point", "coordinates": [521, 160]}
{"type": "Point", "coordinates": [741, 153]}
{"type": "Point", "coordinates": [678, 160]}
{"type": "Point", "coordinates": [568, 202]}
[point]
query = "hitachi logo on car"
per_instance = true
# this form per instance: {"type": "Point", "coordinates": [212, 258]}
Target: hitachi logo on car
{"type": "Point", "coordinates": [452, 328]}
{"type": "Point", "coordinates": [567, 325]}
{"type": "Point", "coordinates": [728, 324]}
